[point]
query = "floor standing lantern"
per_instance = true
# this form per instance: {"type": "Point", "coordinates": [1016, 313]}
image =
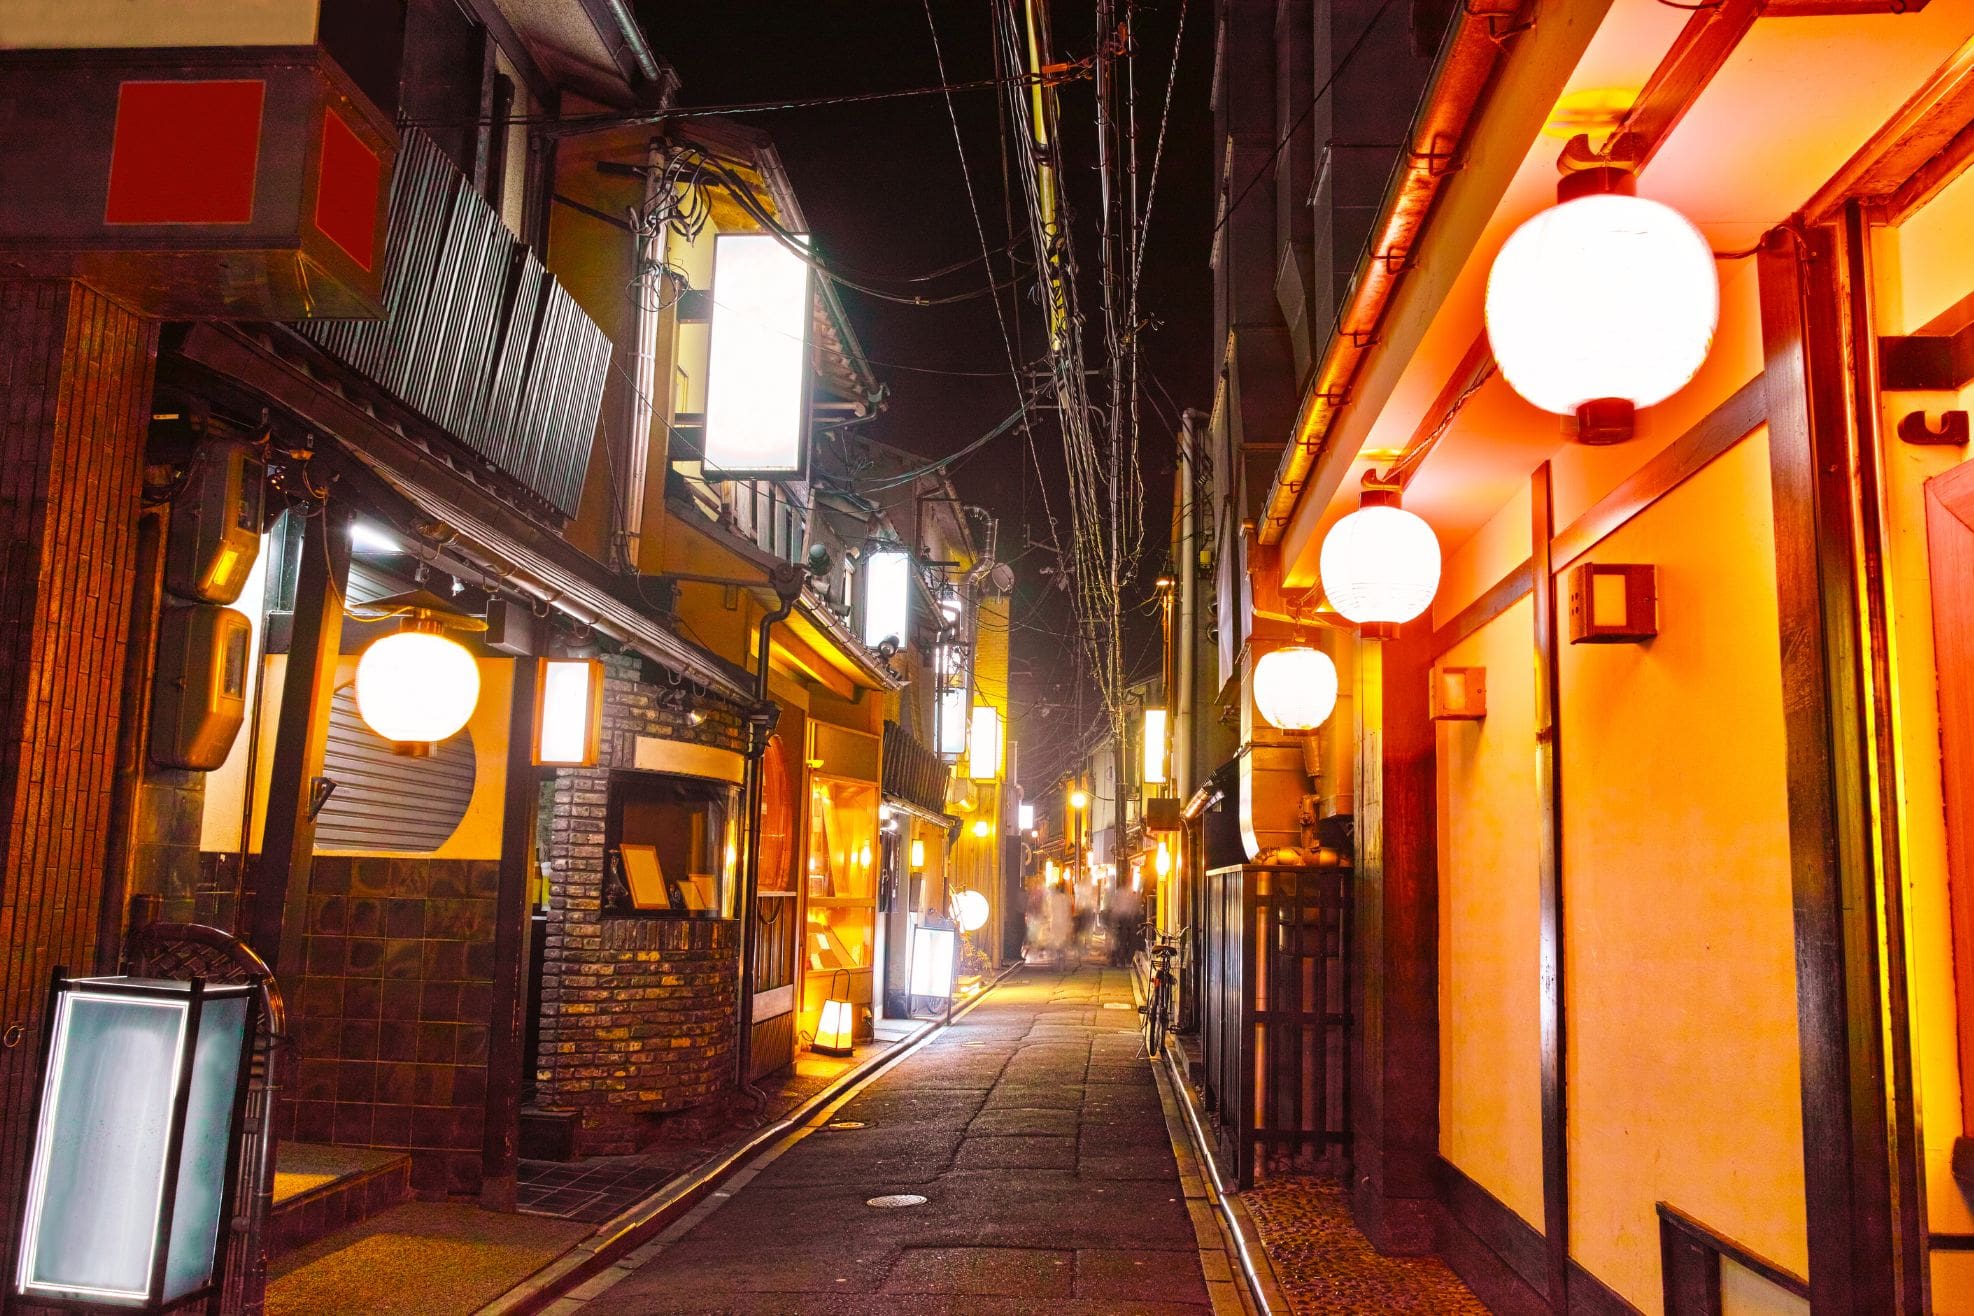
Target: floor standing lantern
{"type": "Point", "coordinates": [836, 1030]}
{"type": "Point", "coordinates": [129, 1187]}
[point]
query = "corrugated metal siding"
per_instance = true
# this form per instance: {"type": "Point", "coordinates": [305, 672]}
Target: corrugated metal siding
{"type": "Point", "coordinates": [386, 801]}
{"type": "Point", "coordinates": [477, 337]}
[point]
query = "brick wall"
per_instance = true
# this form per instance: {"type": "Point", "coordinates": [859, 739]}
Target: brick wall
{"type": "Point", "coordinates": [392, 1010]}
{"type": "Point", "coordinates": [637, 1013]}
{"type": "Point", "coordinates": [75, 392]}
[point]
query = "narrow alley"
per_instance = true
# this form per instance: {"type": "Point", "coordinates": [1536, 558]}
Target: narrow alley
{"type": "Point", "coordinates": [1033, 1129]}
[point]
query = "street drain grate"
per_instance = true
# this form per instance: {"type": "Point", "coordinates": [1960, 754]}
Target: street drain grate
{"type": "Point", "coordinates": [846, 1124]}
{"type": "Point", "coordinates": [896, 1199]}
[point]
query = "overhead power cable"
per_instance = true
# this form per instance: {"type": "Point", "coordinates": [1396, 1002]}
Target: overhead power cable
{"type": "Point", "coordinates": [1268, 165]}
{"type": "Point", "coordinates": [577, 125]}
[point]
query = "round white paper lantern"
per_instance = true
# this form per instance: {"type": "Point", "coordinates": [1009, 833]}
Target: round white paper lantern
{"type": "Point", "coordinates": [1606, 297]}
{"type": "Point", "coordinates": [1295, 688]}
{"type": "Point", "coordinates": [970, 911]}
{"type": "Point", "coordinates": [416, 686]}
{"type": "Point", "coordinates": [1380, 565]}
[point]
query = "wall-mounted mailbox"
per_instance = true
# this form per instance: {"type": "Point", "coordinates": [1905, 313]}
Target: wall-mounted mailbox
{"type": "Point", "coordinates": [1614, 603]}
{"type": "Point", "coordinates": [1458, 694]}
{"type": "Point", "coordinates": [199, 686]}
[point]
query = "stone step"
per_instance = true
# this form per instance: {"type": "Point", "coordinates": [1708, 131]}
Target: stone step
{"type": "Point", "coordinates": [319, 1189]}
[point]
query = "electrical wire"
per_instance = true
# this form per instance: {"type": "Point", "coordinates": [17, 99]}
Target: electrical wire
{"type": "Point", "coordinates": [1268, 165]}
{"type": "Point", "coordinates": [576, 125]}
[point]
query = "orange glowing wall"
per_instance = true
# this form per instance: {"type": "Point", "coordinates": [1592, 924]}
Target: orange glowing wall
{"type": "Point", "coordinates": [1923, 268]}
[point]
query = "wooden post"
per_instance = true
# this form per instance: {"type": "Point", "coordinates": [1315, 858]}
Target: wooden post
{"type": "Point", "coordinates": [1865, 1253]}
{"type": "Point", "coordinates": [1549, 885]}
{"type": "Point", "coordinates": [300, 740]}
{"type": "Point", "coordinates": [510, 988]}
{"type": "Point", "coordinates": [1395, 967]}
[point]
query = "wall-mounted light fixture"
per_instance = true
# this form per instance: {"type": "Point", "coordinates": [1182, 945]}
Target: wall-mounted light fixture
{"type": "Point", "coordinates": [568, 712]}
{"type": "Point", "coordinates": [1380, 565]}
{"type": "Point", "coordinates": [982, 829]}
{"type": "Point", "coordinates": [1613, 602]}
{"type": "Point", "coordinates": [1458, 694]}
{"type": "Point", "coordinates": [1295, 687]}
{"type": "Point", "coordinates": [970, 910]}
{"type": "Point", "coordinates": [1604, 303]}
{"type": "Point", "coordinates": [757, 368]}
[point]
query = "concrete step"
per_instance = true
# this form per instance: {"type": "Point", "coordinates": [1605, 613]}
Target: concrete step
{"type": "Point", "coordinates": [319, 1189]}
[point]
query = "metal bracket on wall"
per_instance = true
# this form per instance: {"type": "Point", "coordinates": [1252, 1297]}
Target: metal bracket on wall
{"type": "Point", "coordinates": [1914, 428]}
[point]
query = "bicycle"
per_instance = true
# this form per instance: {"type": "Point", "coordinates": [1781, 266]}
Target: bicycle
{"type": "Point", "coordinates": [1157, 1009]}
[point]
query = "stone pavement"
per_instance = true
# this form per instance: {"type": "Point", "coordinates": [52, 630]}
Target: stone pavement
{"type": "Point", "coordinates": [1034, 1132]}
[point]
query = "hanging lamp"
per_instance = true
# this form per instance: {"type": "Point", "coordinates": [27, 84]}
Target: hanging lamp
{"type": "Point", "coordinates": [1606, 302]}
{"type": "Point", "coordinates": [1380, 565]}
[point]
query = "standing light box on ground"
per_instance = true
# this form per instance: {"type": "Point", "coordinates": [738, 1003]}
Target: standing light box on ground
{"type": "Point", "coordinates": [127, 1182]}
{"type": "Point", "coordinates": [1154, 747]}
{"type": "Point", "coordinates": [569, 712]}
{"type": "Point", "coordinates": [933, 952]}
{"type": "Point", "coordinates": [984, 746]}
{"type": "Point", "coordinates": [887, 597]}
{"type": "Point", "coordinates": [757, 421]}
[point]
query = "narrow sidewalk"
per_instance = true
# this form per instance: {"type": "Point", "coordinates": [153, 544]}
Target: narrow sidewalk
{"type": "Point", "coordinates": [452, 1258]}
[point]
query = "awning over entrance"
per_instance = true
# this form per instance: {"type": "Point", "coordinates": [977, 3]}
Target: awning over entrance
{"type": "Point", "coordinates": [528, 557]}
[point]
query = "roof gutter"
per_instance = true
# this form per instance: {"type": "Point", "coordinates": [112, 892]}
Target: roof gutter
{"type": "Point", "coordinates": [1468, 64]}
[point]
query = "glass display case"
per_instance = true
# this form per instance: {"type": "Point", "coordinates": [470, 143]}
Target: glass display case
{"type": "Point", "coordinates": [842, 875]}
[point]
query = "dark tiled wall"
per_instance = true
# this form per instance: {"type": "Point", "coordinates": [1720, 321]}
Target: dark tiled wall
{"type": "Point", "coordinates": [392, 1012]}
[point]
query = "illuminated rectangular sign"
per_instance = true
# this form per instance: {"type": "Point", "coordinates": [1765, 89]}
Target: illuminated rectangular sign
{"type": "Point", "coordinates": [1026, 817]}
{"type": "Point", "coordinates": [887, 596]}
{"type": "Point", "coordinates": [569, 712]}
{"type": "Point", "coordinates": [1154, 747]}
{"type": "Point", "coordinates": [757, 372]}
{"type": "Point", "coordinates": [127, 1186]}
{"type": "Point", "coordinates": [984, 746]}
{"type": "Point", "coordinates": [934, 950]}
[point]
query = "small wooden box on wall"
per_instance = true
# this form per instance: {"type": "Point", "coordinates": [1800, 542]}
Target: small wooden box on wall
{"type": "Point", "coordinates": [1458, 694]}
{"type": "Point", "coordinates": [1614, 603]}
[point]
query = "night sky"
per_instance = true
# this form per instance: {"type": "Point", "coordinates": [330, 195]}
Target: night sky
{"type": "Point", "coordinates": [882, 189]}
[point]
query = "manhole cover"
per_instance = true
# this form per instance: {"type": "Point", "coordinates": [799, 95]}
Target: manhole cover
{"type": "Point", "coordinates": [1118, 1005]}
{"type": "Point", "coordinates": [846, 1124]}
{"type": "Point", "coordinates": [896, 1199]}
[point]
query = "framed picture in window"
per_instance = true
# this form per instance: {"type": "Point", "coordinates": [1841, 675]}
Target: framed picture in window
{"type": "Point", "coordinates": [644, 877]}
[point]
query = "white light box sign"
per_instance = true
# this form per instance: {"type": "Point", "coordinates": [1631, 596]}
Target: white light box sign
{"type": "Point", "coordinates": [757, 373]}
{"type": "Point", "coordinates": [128, 1186]}
{"type": "Point", "coordinates": [887, 596]}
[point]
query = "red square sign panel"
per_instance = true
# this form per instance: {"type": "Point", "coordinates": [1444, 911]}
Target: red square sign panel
{"type": "Point", "coordinates": [185, 153]}
{"type": "Point", "coordinates": [346, 193]}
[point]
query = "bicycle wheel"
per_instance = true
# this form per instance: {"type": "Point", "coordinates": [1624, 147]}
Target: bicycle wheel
{"type": "Point", "coordinates": [1155, 1021]}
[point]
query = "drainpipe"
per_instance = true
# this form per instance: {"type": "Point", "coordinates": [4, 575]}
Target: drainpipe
{"type": "Point", "coordinates": [788, 582]}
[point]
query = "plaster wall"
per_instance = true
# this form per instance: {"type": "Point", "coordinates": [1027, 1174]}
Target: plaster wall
{"type": "Point", "coordinates": [1490, 1098]}
{"type": "Point", "coordinates": [1679, 972]}
{"type": "Point", "coordinates": [1923, 268]}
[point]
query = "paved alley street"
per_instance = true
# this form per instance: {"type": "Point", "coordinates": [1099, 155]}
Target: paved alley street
{"type": "Point", "coordinates": [1033, 1130]}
